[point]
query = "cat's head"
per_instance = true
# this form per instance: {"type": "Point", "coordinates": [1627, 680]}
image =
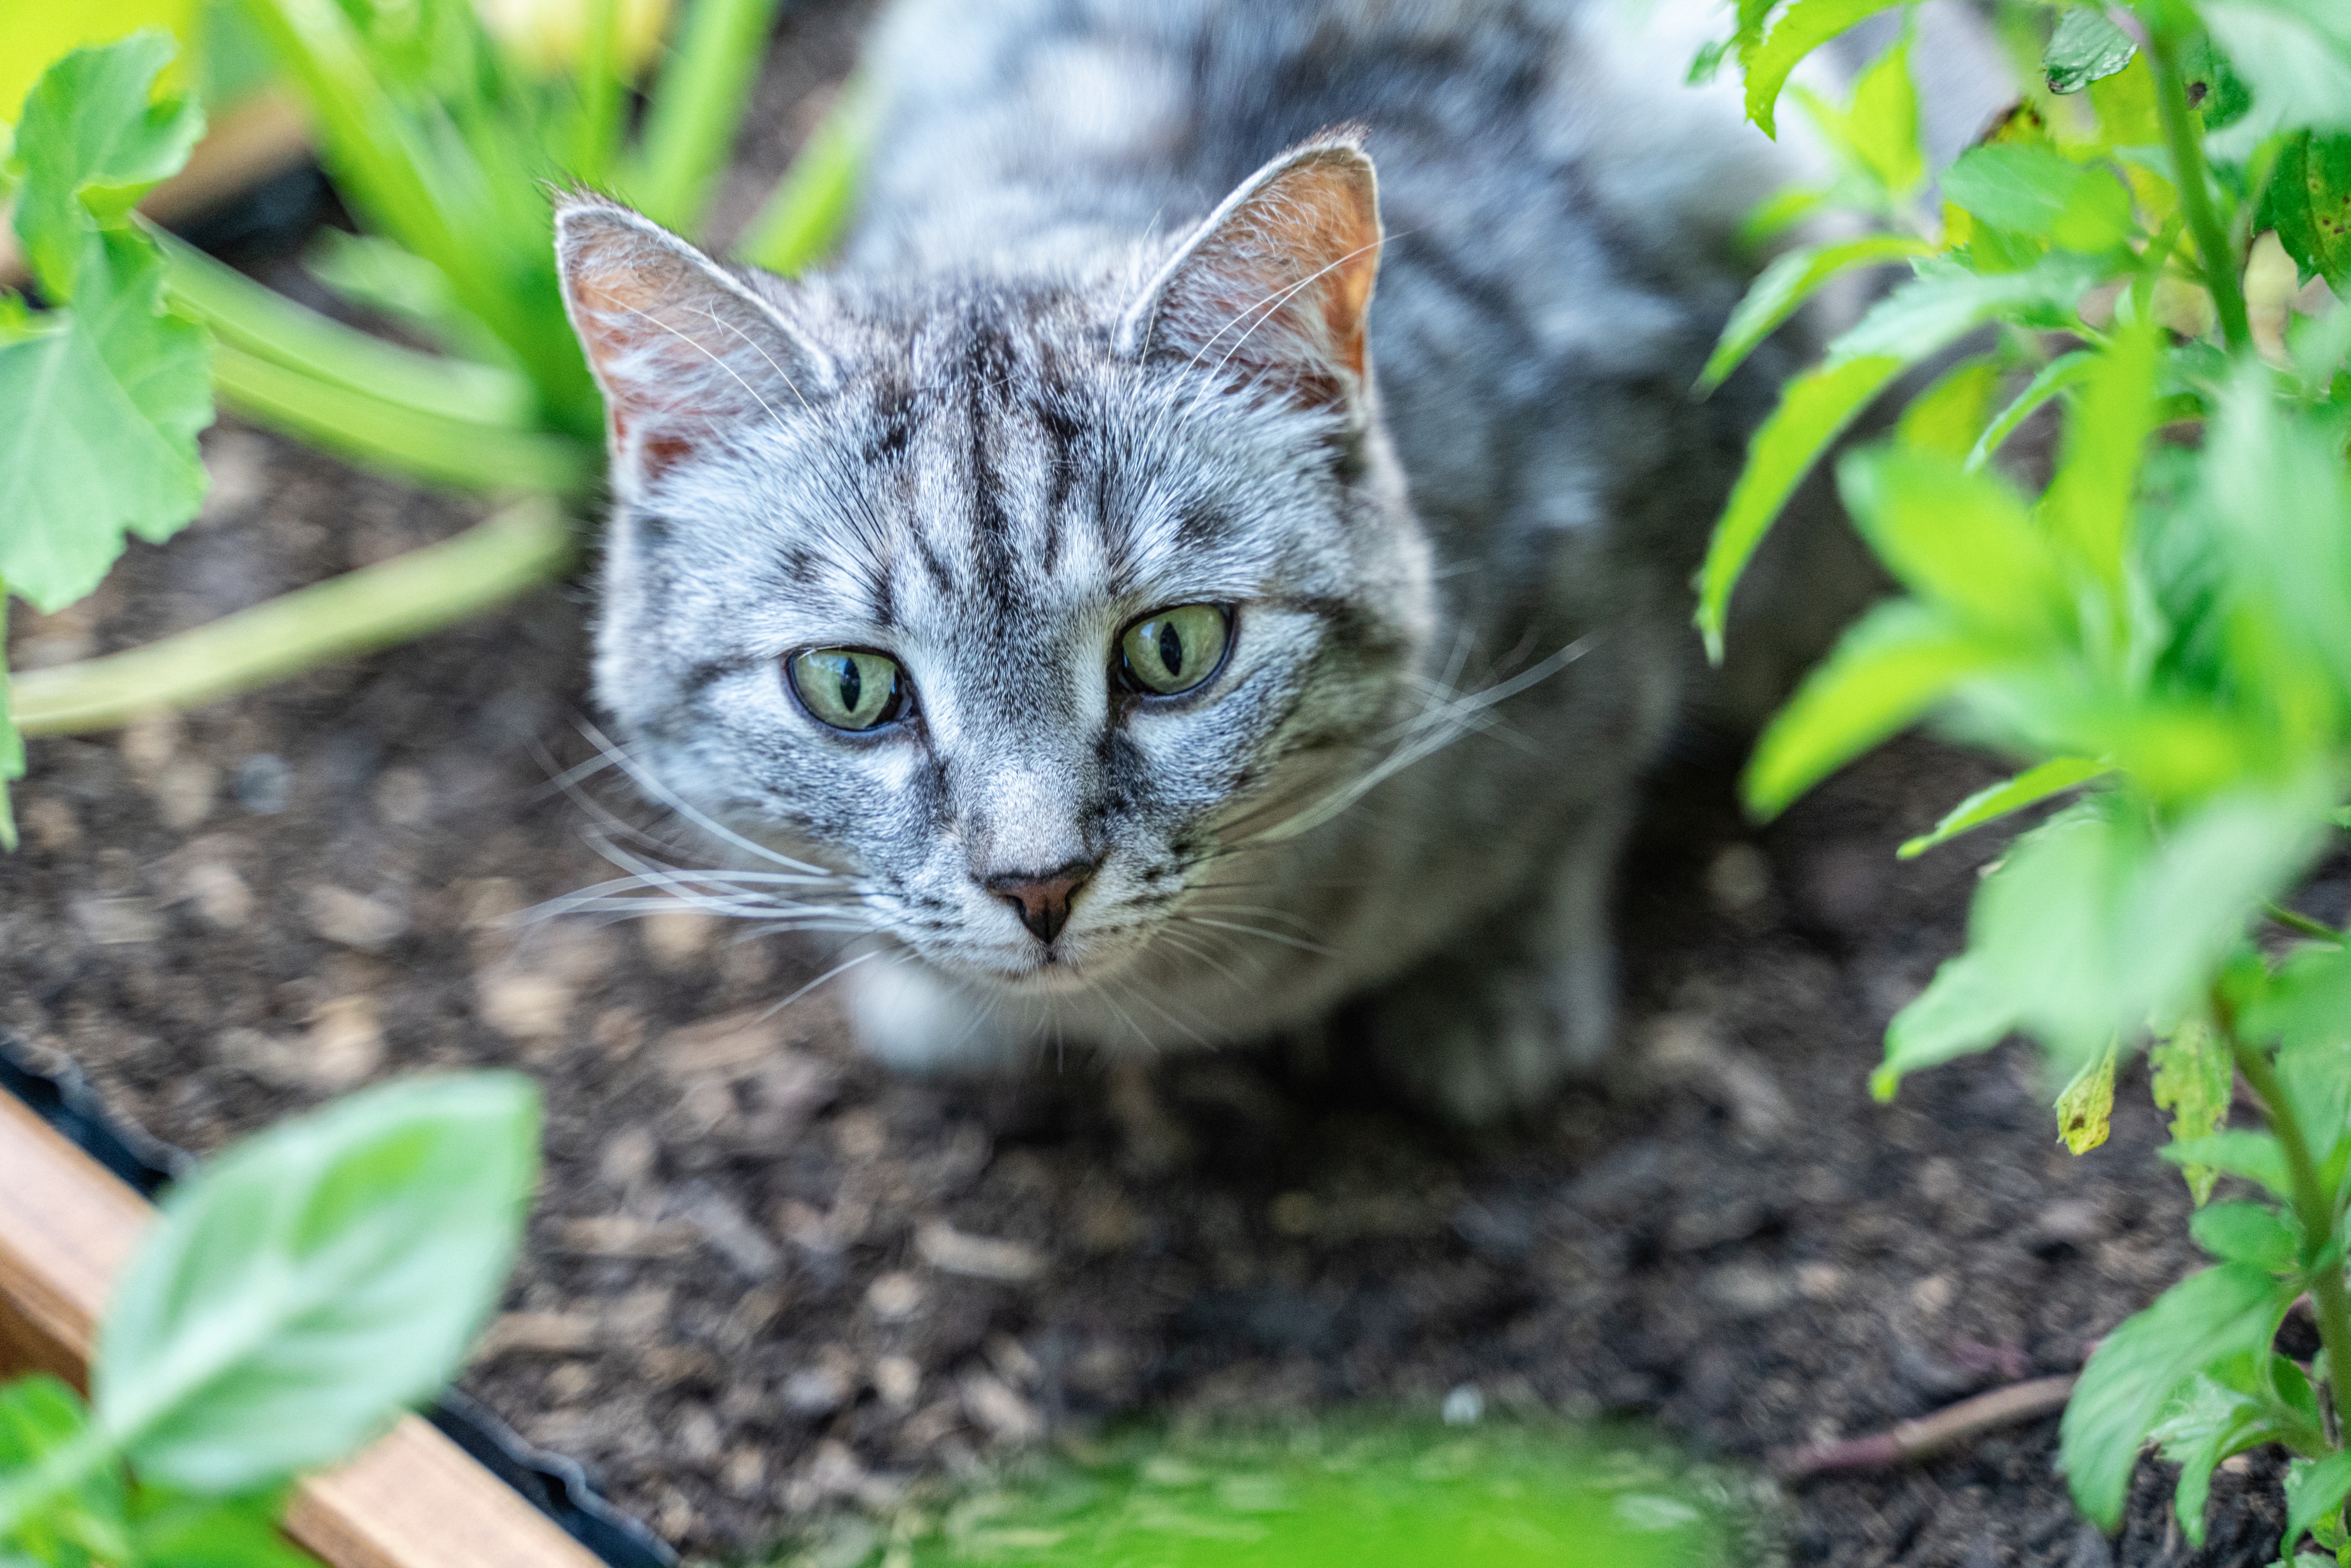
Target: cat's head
{"type": "Point", "coordinates": [1016, 600]}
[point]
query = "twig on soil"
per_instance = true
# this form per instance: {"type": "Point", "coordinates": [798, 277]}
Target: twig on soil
{"type": "Point", "coordinates": [1906, 1442]}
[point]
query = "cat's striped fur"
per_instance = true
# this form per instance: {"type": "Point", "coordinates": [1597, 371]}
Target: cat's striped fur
{"type": "Point", "coordinates": [1020, 412]}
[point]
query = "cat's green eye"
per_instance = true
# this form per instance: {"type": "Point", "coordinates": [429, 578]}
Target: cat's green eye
{"type": "Point", "coordinates": [848, 688]}
{"type": "Point", "coordinates": [1174, 650]}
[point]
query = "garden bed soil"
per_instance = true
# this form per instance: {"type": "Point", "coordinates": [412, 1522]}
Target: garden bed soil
{"type": "Point", "coordinates": [767, 1281]}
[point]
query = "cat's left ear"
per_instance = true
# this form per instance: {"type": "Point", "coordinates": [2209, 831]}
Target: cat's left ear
{"type": "Point", "coordinates": [1275, 286]}
{"type": "Point", "coordinates": [686, 351]}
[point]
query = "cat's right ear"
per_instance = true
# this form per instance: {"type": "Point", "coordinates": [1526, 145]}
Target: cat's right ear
{"type": "Point", "coordinates": [684, 351]}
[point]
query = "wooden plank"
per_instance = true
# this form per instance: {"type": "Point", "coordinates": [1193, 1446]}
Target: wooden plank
{"type": "Point", "coordinates": [410, 1500]}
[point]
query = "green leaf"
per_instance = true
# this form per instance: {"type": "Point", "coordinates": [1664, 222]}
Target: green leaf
{"type": "Point", "coordinates": [1888, 670]}
{"type": "Point", "coordinates": [2088, 504]}
{"type": "Point", "coordinates": [2254, 1157]}
{"type": "Point", "coordinates": [2206, 1318]}
{"type": "Point", "coordinates": [2193, 1080]}
{"type": "Point", "coordinates": [2030, 189]}
{"type": "Point", "coordinates": [90, 144]}
{"type": "Point", "coordinates": [1962, 541]}
{"type": "Point", "coordinates": [2205, 1423]}
{"type": "Point", "coordinates": [1815, 410]}
{"type": "Point", "coordinates": [1964, 1011]}
{"type": "Point", "coordinates": [1950, 415]}
{"type": "Point", "coordinates": [42, 1420]}
{"type": "Point", "coordinates": [2277, 485]}
{"type": "Point", "coordinates": [696, 108]}
{"type": "Point", "coordinates": [1994, 802]}
{"type": "Point", "coordinates": [2060, 375]}
{"type": "Point", "coordinates": [2295, 55]}
{"type": "Point", "coordinates": [2315, 1489]}
{"type": "Point", "coordinates": [1946, 301]}
{"type": "Point", "coordinates": [106, 400]}
{"type": "Point", "coordinates": [303, 1287]}
{"type": "Point", "coordinates": [2086, 1106]}
{"type": "Point", "coordinates": [1878, 134]}
{"type": "Point", "coordinates": [2246, 1233]}
{"type": "Point", "coordinates": [2308, 202]}
{"type": "Point", "coordinates": [215, 1532]}
{"type": "Point", "coordinates": [1801, 28]}
{"type": "Point", "coordinates": [1780, 289]}
{"type": "Point", "coordinates": [2085, 49]}
{"type": "Point", "coordinates": [805, 216]}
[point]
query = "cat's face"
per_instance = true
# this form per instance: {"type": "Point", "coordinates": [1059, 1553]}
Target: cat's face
{"type": "Point", "coordinates": [1020, 609]}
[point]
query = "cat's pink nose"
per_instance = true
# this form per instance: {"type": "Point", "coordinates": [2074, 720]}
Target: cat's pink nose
{"type": "Point", "coordinates": [1043, 900]}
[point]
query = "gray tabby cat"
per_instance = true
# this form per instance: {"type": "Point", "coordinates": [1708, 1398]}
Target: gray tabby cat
{"type": "Point", "coordinates": [1173, 578]}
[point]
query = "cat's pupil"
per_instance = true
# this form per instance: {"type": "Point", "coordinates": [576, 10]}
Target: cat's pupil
{"type": "Point", "coordinates": [1171, 648]}
{"type": "Point", "coordinates": [851, 685]}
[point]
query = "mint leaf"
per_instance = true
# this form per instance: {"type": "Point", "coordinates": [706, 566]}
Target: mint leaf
{"type": "Point", "coordinates": [2308, 202]}
{"type": "Point", "coordinates": [89, 144]}
{"type": "Point", "coordinates": [2085, 48]}
{"type": "Point", "coordinates": [302, 1287]}
{"type": "Point", "coordinates": [2315, 1489]}
{"type": "Point", "coordinates": [105, 401]}
{"type": "Point", "coordinates": [2193, 1081]}
{"type": "Point", "coordinates": [2246, 1233]}
{"type": "Point", "coordinates": [2204, 1320]}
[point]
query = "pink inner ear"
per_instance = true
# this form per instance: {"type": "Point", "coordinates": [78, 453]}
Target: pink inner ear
{"type": "Point", "coordinates": [1285, 282]}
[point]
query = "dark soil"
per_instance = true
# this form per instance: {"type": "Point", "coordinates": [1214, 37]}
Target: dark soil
{"type": "Point", "coordinates": [766, 1280]}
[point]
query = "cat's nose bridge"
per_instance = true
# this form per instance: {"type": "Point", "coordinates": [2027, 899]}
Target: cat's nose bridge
{"type": "Point", "coordinates": [1026, 820]}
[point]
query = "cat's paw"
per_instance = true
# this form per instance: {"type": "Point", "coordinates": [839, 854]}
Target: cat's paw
{"type": "Point", "coordinates": [1485, 1049]}
{"type": "Point", "coordinates": [915, 1020]}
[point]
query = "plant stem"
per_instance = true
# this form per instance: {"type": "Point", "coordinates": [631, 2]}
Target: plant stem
{"type": "Point", "coordinates": [395, 437]}
{"type": "Point", "coordinates": [2313, 1204]}
{"type": "Point", "coordinates": [811, 205]}
{"type": "Point", "coordinates": [2293, 920]}
{"type": "Point", "coordinates": [264, 323]}
{"type": "Point", "coordinates": [697, 106]}
{"type": "Point", "coordinates": [356, 613]}
{"type": "Point", "coordinates": [2180, 133]}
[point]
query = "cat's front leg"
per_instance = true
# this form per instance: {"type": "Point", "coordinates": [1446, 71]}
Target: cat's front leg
{"type": "Point", "coordinates": [1495, 1025]}
{"type": "Point", "coordinates": [916, 1019]}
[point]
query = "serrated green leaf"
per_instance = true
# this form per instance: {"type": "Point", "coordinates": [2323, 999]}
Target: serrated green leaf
{"type": "Point", "coordinates": [1801, 28]}
{"type": "Point", "coordinates": [1877, 136]}
{"type": "Point", "coordinates": [2255, 1157]}
{"type": "Point", "coordinates": [2314, 1489]}
{"type": "Point", "coordinates": [1958, 540]}
{"type": "Point", "coordinates": [106, 400]}
{"type": "Point", "coordinates": [2224, 1312]}
{"type": "Point", "coordinates": [298, 1291]}
{"type": "Point", "coordinates": [2028, 189]}
{"type": "Point", "coordinates": [1962, 1011]}
{"type": "Point", "coordinates": [2085, 1107]}
{"type": "Point", "coordinates": [1814, 409]}
{"type": "Point", "coordinates": [2245, 1233]}
{"type": "Point", "coordinates": [2277, 485]}
{"type": "Point", "coordinates": [2205, 1423]}
{"type": "Point", "coordinates": [2194, 1080]}
{"type": "Point", "coordinates": [1888, 671]}
{"type": "Point", "coordinates": [90, 144]}
{"type": "Point", "coordinates": [2060, 375]}
{"type": "Point", "coordinates": [2085, 49]}
{"type": "Point", "coordinates": [1948, 417]}
{"type": "Point", "coordinates": [2295, 56]}
{"type": "Point", "coordinates": [2088, 504]}
{"type": "Point", "coordinates": [1946, 301]}
{"type": "Point", "coordinates": [1994, 802]}
{"type": "Point", "coordinates": [1781, 289]}
{"type": "Point", "coordinates": [2308, 202]}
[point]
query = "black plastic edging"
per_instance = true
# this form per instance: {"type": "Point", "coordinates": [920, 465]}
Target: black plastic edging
{"type": "Point", "coordinates": [557, 1487]}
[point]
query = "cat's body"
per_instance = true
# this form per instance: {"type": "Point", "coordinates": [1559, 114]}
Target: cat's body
{"type": "Point", "coordinates": [1038, 401]}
